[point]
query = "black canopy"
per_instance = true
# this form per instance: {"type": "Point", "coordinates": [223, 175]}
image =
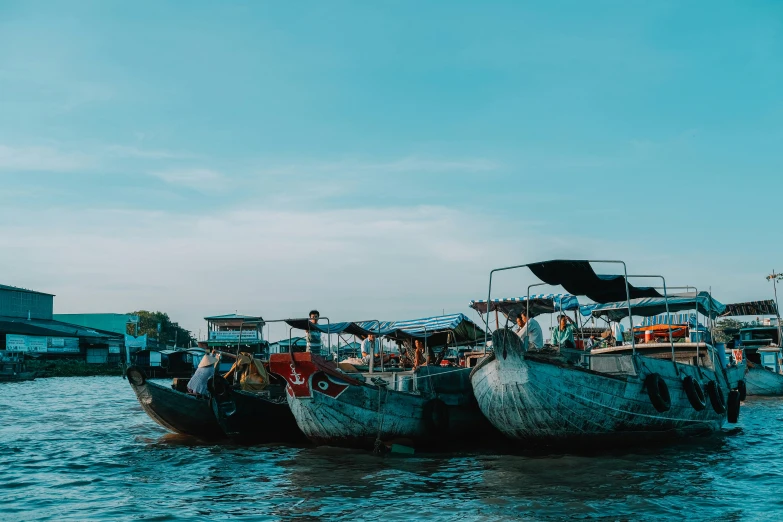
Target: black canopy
{"type": "Point", "coordinates": [752, 308]}
{"type": "Point", "coordinates": [579, 278]}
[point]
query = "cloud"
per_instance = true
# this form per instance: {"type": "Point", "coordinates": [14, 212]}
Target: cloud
{"type": "Point", "coordinates": [412, 164]}
{"type": "Point", "coordinates": [42, 159]}
{"type": "Point", "coordinates": [195, 178]}
{"type": "Point", "coordinates": [126, 151]}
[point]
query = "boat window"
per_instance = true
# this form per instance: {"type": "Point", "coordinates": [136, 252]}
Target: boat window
{"type": "Point", "coordinates": [768, 360]}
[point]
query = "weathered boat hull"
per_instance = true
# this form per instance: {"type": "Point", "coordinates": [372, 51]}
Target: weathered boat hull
{"type": "Point", "coordinates": [176, 411]}
{"type": "Point", "coordinates": [531, 398]}
{"type": "Point", "coordinates": [336, 409]}
{"type": "Point", "coordinates": [256, 418]}
{"type": "Point", "coordinates": [760, 381]}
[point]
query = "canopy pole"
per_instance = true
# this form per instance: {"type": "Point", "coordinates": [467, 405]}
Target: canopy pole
{"type": "Point", "coordinates": [527, 314]}
{"type": "Point", "coordinates": [630, 313]}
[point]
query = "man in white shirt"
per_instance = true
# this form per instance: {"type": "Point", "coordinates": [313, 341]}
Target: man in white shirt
{"type": "Point", "coordinates": [618, 332]}
{"type": "Point", "coordinates": [529, 332]}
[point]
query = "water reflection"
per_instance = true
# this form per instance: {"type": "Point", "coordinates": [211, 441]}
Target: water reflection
{"type": "Point", "coordinates": [84, 449]}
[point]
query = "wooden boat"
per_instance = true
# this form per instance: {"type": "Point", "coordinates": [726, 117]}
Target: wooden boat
{"type": "Point", "coordinates": [430, 406]}
{"type": "Point", "coordinates": [259, 413]}
{"type": "Point", "coordinates": [621, 394]}
{"type": "Point", "coordinates": [175, 409]}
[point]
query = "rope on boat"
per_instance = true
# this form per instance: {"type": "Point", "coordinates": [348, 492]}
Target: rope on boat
{"type": "Point", "coordinates": [381, 413]}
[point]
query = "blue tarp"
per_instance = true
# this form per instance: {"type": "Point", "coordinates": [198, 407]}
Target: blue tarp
{"type": "Point", "coordinates": [443, 329]}
{"type": "Point", "coordinates": [649, 306]}
{"type": "Point", "coordinates": [539, 304]}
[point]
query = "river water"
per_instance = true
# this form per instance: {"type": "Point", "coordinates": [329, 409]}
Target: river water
{"type": "Point", "coordinates": [83, 449]}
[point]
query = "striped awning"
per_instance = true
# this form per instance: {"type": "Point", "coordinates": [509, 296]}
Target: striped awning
{"type": "Point", "coordinates": [537, 305]}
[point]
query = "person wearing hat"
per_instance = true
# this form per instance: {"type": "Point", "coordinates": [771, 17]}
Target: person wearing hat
{"type": "Point", "coordinates": [197, 385]}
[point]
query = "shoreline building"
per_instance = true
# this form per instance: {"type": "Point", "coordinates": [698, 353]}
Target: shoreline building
{"type": "Point", "coordinates": [28, 326]}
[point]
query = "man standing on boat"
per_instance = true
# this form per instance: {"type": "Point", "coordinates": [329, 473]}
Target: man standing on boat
{"type": "Point", "coordinates": [369, 348]}
{"type": "Point", "coordinates": [618, 332]}
{"type": "Point", "coordinates": [529, 332]}
{"type": "Point", "coordinates": [313, 337]}
{"type": "Point", "coordinates": [563, 335]}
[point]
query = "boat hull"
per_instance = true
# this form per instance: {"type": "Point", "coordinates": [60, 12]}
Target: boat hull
{"type": "Point", "coordinates": [340, 410]}
{"type": "Point", "coordinates": [541, 401]}
{"type": "Point", "coordinates": [174, 410]}
{"type": "Point", "coordinates": [763, 382]}
{"type": "Point", "coordinates": [253, 418]}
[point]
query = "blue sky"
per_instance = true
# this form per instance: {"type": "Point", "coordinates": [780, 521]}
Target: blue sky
{"type": "Point", "coordinates": [378, 159]}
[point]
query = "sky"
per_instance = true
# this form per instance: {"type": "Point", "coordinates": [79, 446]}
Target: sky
{"type": "Point", "coordinates": [375, 160]}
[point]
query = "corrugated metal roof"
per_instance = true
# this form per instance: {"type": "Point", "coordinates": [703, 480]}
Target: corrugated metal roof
{"type": "Point", "coordinates": [18, 289]}
{"type": "Point", "coordinates": [233, 316]}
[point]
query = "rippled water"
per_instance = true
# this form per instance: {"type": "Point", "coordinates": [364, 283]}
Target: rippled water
{"type": "Point", "coordinates": [83, 449]}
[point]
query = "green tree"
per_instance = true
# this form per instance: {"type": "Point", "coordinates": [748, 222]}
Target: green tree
{"type": "Point", "coordinates": [169, 331]}
{"type": "Point", "coordinates": [725, 330]}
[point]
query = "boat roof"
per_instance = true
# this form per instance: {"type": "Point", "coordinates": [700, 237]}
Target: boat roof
{"type": "Point", "coordinates": [766, 307]}
{"type": "Point", "coordinates": [578, 278]}
{"type": "Point", "coordinates": [434, 329]}
{"type": "Point", "coordinates": [537, 304]}
{"type": "Point", "coordinates": [649, 306]}
{"type": "Point", "coordinates": [233, 316]}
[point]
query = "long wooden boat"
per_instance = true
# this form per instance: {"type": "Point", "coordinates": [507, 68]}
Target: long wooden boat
{"type": "Point", "coordinates": [254, 417]}
{"type": "Point", "coordinates": [175, 410]}
{"type": "Point", "coordinates": [622, 394]}
{"type": "Point", "coordinates": [430, 407]}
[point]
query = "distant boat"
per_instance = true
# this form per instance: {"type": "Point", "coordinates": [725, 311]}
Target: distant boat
{"type": "Point", "coordinates": [759, 344]}
{"type": "Point", "coordinates": [13, 369]}
{"type": "Point", "coordinates": [619, 394]}
{"type": "Point", "coordinates": [174, 408]}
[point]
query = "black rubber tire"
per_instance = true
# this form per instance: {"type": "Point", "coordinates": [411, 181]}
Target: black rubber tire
{"type": "Point", "coordinates": [743, 390]}
{"type": "Point", "coordinates": [135, 376]}
{"type": "Point", "coordinates": [658, 391]}
{"type": "Point", "coordinates": [695, 393]}
{"type": "Point", "coordinates": [716, 397]}
{"type": "Point", "coordinates": [436, 417]}
{"type": "Point", "coordinates": [733, 406]}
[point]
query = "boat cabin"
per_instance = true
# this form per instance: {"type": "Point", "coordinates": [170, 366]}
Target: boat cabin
{"type": "Point", "coordinates": [236, 333]}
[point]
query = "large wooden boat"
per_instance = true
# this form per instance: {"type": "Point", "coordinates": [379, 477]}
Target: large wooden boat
{"type": "Point", "coordinates": [619, 394]}
{"type": "Point", "coordinates": [175, 409]}
{"type": "Point", "coordinates": [429, 406]}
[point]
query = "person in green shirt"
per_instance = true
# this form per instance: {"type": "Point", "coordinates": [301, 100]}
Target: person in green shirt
{"type": "Point", "coordinates": [563, 334]}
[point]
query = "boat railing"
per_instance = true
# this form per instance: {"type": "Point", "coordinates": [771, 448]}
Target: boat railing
{"type": "Point", "coordinates": [515, 267]}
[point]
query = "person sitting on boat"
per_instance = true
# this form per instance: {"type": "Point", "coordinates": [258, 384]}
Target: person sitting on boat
{"type": "Point", "coordinates": [529, 332]}
{"type": "Point", "coordinates": [563, 334]}
{"type": "Point", "coordinates": [313, 337]}
{"type": "Point", "coordinates": [618, 332]}
{"type": "Point", "coordinates": [197, 385]}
